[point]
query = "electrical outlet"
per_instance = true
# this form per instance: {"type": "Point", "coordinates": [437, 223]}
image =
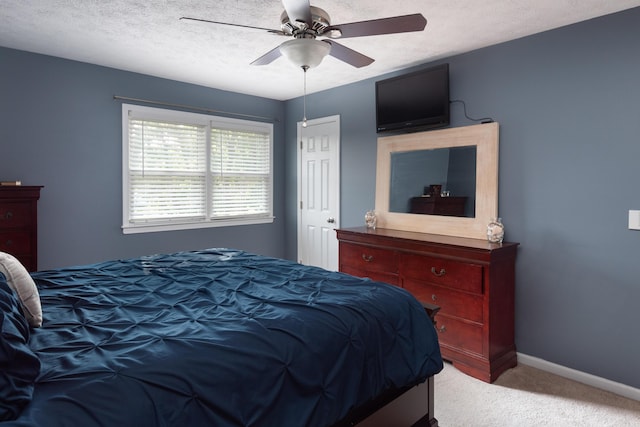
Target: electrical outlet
{"type": "Point", "coordinates": [634, 220]}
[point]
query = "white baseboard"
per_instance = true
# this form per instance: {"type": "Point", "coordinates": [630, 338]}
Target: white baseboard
{"type": "Point", "coordinates": [581, 377]}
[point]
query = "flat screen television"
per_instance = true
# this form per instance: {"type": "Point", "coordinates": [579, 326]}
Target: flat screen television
{"type": "Point", "coordinates": [413, 101]}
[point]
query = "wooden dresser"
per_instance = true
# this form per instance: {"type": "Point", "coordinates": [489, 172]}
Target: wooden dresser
{"type": "Point", "coordinates": [472, 281]}
{"type": "Point", "coordinates": [19, 223]}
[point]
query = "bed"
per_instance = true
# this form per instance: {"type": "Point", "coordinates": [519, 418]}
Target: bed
{"type": "Point", "coordinates": [217, 337]}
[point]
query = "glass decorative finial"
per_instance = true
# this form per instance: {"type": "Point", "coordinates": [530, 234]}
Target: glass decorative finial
{"type": "Point", "coordinates": [495, 231]}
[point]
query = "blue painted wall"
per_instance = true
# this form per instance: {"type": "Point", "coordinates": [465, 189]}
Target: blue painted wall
{"type": "Point", "coordinates": [60, 127]}
{"type": "Point", "coordinates": [568, 106]}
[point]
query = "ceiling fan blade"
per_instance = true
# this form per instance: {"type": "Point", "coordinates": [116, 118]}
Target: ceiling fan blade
{"type": "Point", "coordinates": [374, 27]}
{"type": "Point", "coordinates": [298, 11]}
{"type": "Point", "coordinates": [347, 55]}
{"type": "Point", "coordinates": [268, 57]}
{"type": "Point", "coordinates": [233, 25]}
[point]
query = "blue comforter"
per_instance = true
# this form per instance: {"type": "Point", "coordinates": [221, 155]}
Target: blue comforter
{"type": "Point", "coordinates": [220, 338]}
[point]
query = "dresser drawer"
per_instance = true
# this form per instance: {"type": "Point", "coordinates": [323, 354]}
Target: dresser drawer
{"type": "Point", "coordinates": [452, 302]}
{"type": "Point", "coordinates": [15, 242]}
{"type": "Point", "coordinates": [378, 276]}
{"type": "Point", "coordinates": [443, 272]}
{"type": "Point", "coordinates": [368, 258]}
{"type": "Point", "coordinates": [15, 215]}
{"type": "Point", "coordinates": [458, 334]}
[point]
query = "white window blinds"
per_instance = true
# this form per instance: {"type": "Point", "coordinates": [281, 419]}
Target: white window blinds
{"type": "Point", "coordinates": [184, 170]}
{"type": "Point", "coordinates": [240, 173]}
{"type": "Point", "coordinates": [167, 171]}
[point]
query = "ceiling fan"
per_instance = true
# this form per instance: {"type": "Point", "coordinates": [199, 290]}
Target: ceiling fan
{"type": "Point", "coordinates": [306, 23]}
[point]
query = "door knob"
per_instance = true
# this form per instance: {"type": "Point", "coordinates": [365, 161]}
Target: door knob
{"type": "Point", "coordinates": [331, 220]}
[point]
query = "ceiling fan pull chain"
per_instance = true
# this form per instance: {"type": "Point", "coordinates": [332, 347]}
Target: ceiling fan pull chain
{"type": "Point", "coordinates": [304, 97]}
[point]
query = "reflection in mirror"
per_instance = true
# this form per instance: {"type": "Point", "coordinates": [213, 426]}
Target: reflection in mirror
{"type": "Point", "coordinates": [439, 181]}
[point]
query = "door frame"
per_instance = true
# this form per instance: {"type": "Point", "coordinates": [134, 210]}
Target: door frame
{"type": "Point", "coordinates": [299, 198]}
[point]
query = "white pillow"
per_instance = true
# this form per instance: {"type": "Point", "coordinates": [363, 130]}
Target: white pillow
{"type": "Point", "coordinates": [19, 279]}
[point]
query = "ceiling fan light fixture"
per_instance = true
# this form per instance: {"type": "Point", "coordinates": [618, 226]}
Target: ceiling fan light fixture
{"type": "Point", "coordinates": [305, 52]}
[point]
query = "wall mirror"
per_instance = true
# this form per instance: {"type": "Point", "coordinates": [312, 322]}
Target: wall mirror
{"type": "Point", "coordinates": [438, 181]}
{"type": "Point", "coordinates": [459, 163]}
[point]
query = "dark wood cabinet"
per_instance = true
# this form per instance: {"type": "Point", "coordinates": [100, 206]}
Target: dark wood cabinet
{"type": "Point", "coordinates": [436, 205]}
{"type": "Point", "coordinates": [471, 280]}
{"type": "Point", "coordinates": [19, 223]}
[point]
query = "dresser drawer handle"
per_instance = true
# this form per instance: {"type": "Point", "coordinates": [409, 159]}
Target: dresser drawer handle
{"type": "Point", "coordinates": [8, 215]}
{"type": "Point", "coordinates": [436, 273]}
{"type": "Point", "coordinates": [367, 258]}
{"type": "Point", "coordinates": [442, 329]}
{"type": "Point", "coordinates": [434, 297]}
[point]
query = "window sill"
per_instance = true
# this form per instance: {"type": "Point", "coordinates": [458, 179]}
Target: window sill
{"type": "Point", "coordinates": [152, 228]}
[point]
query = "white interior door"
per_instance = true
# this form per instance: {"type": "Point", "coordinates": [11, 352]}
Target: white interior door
{"type": "Point", "coordinates": [319, 192]}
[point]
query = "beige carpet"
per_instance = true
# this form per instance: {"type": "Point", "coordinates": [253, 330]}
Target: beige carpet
{"type": "Point", "coordinates": [526, 396]}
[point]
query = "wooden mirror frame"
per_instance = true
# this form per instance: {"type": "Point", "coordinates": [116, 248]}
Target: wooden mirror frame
{"type": "Point", "coordinates": [485, 138]}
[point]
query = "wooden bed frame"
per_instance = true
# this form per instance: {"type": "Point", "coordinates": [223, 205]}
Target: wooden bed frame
{"type": "Point", "coordinates": [406, 410]}
{"type": "Point", "coordinates": [411, 407]}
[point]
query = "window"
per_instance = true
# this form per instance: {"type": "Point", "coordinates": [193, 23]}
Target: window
{"type": "Point", "coordinates": [185, 170]}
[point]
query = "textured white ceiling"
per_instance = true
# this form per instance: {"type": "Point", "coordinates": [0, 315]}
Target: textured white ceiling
{"type": "Point", "coordinates": [148, 37]}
